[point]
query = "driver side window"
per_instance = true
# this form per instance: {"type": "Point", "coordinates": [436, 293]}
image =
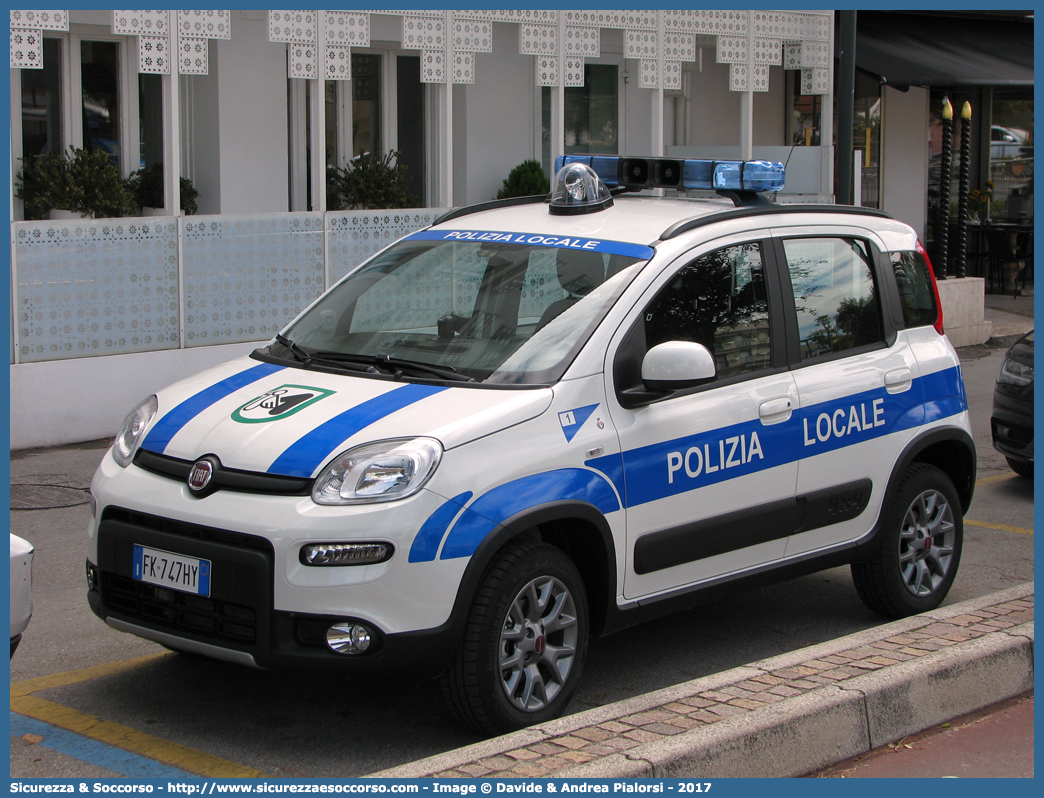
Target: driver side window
{"type": "Point", "coordinates": [719, 301]}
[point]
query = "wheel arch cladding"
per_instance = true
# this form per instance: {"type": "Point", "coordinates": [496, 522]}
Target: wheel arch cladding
{"type": "Point", "coordinates": [952, 451]}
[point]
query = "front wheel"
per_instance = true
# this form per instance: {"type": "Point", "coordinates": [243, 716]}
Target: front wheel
{"type": "Point", "coordinates": [922, 530]}
{"type": "Point", "coordinates": [525, 642]}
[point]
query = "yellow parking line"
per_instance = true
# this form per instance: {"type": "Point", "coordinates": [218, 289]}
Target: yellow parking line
{"type": "Point", "coordinates": [997, 478]}
{"type": "Point", "coordinates": [115, 734]}
{"type": "Point", "coordinates": [1002, 527]}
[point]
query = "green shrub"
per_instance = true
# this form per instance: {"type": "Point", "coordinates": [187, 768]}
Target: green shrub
{"type": "Point", "coordinates": [146, 186]}
{"type": "Point", "coordinates": [369, 182]}
{"type": "Point", "coordinates": [82, 181]}
{"type": "Point", "coordinates": [525, 180]}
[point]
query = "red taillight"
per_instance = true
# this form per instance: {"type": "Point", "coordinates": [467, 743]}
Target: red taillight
{"type": "Point", "coordinates": [935, 287]}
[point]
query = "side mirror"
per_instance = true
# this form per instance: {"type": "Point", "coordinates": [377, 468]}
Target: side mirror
{"type": "Point", "coordinates": [675, 365]}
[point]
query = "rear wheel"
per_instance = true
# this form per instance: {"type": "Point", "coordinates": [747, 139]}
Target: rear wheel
{"type": "Point", "coordinates": [922, 531]}
{"type": "Point", "coordinates": [1024, 468]}
{"type": "Point", "coordinates": [525, 642]}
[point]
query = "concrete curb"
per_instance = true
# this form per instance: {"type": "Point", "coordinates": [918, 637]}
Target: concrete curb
{"type": "Point", "coordinates": [820, 705]}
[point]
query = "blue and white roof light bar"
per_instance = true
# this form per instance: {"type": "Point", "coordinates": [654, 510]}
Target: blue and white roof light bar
{"type": "Point", "coordinates": [690, 173]}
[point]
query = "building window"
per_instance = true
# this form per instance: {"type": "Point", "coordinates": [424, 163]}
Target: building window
{"type": "Point", "coordinates": [366, 104]}
{"type": "Point", "coordinates": [150, 120]}
{"type": "Point", "coordinates": [42, 104]}
{"type": "Point", "coordinates": [805, 118]}
{"type": "Point", "coordinates": [1011, 155]}
{"type": "Point", "coordinates": [100, 97]}
{"type": "Point", "coordinates": [592, 114]}
{"type": "Point", "coordinates": [866, 138]}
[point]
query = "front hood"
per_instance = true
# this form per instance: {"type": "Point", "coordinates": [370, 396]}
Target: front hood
{"type": "Point", "coordinates": [264, 417]}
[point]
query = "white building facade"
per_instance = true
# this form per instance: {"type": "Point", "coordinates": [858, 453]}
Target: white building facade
{"type": "Point", "coordinates": [254, 106]}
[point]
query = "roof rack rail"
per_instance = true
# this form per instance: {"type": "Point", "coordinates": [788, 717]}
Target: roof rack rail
{"type": "Point", "coordinates": [465, 210]}
{"type": "Point", "coordinates": [686, 225]}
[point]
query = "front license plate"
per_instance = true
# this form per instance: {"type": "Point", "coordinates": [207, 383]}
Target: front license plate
{"type": "Point", "coordinates": [175, 571]}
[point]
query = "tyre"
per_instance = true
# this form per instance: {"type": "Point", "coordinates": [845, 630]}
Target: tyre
{"type": "Point", "coordinates": [1024, 468]}
{"type": "Point", "coordinates": [922, 530]}
{"type": "Point", "coordinates": [525, 643]}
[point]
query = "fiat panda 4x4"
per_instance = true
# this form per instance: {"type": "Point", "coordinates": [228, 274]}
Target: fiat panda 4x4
{"type": "Point", "coordinates": [545, 419]}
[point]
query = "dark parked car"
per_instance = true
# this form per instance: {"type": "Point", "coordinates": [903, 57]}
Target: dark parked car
{"type": "Point", "coordinates": [1012, 421]}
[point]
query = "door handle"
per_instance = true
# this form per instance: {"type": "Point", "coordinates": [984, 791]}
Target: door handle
{"type": "Point", "coordinates": [898, 380]}
{"type": "Point", "coordinates": [775, 411]}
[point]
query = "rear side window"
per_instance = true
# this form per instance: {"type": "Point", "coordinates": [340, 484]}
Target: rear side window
{"type": "Point", "coordinates": [837, 302]}
{"type": "Point", "coordinates": [915, 288]}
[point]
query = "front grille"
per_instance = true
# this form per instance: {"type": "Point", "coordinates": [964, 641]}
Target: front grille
{"type": "Point", "coordinates": [224, 478]}
{"type": "Point", "coordinates": [238, 611]}
{"type": "Point", "coordinates": [185, 530]}
{"type": "Point", "coordinates": [180, 612]}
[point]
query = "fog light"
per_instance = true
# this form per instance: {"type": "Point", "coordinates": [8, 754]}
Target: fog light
{"type": "Point", "coordinates": [346, 553]}
{"type": "Point", "coordinates": [348, 638]}
{"type": "Point", "coordinates": [92, 576]}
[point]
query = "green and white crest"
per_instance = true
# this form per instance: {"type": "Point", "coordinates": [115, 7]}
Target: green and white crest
{"type": "Point", "coordinates": [279, 403]}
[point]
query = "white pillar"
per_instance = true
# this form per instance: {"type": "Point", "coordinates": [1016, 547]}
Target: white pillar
{"type": "Point", "coordinates": [446, 143]}
{"type": "Point", "coordinates": [317, 117]}
{"type": "Point", "coordinates": [747, 125]}
{"type": "Point", "coordinates": [826, 136]}
{"type": "Point", "coordinates": [656, 119]}
{"type": "Point", "coordinates": [446, 146]}
{"type": "Point", "coordinates": [172, 129]}
{"type": "Point", "coordinates": [557, 124]}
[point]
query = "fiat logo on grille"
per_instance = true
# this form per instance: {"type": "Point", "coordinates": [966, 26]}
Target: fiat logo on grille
{"type": "Point", "coordinates": [200, 475]}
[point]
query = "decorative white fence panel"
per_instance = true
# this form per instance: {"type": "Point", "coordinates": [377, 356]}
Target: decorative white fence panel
{"type": "Point", "coordinates": [246, 276]}
{"type": "Point", "coordinates": [95, 287]}
{"type": "Point", "coordinates": [115, 286]}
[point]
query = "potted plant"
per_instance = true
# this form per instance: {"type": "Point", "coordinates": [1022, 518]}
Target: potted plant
{"type": "Point", "coordinates": [525, 180]}
{"type": "Point", "coordinates": [370, 182]}
{"type": "Point", "coordinates": [146, 187]}
{"type": "Point", "coordinates": [82, 182]}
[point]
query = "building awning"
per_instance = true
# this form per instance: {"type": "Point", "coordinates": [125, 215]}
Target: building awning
{"type": "Point", "coordinates": [945, 51]}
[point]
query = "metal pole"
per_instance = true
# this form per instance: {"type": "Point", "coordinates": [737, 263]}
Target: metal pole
{"type": "Point", "coordinates": [945, 170]}
{"type": "Point", "coordinates": [845, 105]}
{"type": "Point", "coordinates": [962, 192]}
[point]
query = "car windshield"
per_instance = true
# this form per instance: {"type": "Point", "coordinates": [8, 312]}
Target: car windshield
{"type": "Point", "coordinates": [488, 311]}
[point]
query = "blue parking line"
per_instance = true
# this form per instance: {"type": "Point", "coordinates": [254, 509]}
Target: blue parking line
{"type": "Point", "coordinates": [93, 752]}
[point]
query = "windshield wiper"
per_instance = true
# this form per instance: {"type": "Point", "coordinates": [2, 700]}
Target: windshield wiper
{"type": "Point", "coordinates": [307, 360]}
{"type": "Point", "coordinates": [444, 373]}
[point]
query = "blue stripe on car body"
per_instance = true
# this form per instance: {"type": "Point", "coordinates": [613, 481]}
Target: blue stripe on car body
{"type": "Point", "coordinates": [305, 455]}
{"type": "Point", "coordinates": [676, 466]}
{"type": "Point", "coordinates": [426, 544]}
{"type": "Point", "coordinates": [172, 423]}
{"type": "Point", "coordinates": [499, 504]}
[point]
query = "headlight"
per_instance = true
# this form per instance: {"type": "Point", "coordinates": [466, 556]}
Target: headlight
{"type": "Point", "coordinates": [378, 472]}
{"type": "Point", "coordinates": [133, 430]}
{"type": "Point", "coordinates": [1015, 373]}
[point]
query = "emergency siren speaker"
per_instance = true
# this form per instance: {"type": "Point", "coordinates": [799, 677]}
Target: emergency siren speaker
{"type": "Point", "coordinates": [649, 173]}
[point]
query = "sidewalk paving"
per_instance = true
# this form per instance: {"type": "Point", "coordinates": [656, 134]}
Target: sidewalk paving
{"type": "Point", "coordinates": [785, 716]}
{"type": "Point", "coordinates": [996, 742]}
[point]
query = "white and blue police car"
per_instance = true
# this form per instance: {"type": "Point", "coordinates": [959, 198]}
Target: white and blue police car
{"type": "Point", "coordinates": [545, 419]}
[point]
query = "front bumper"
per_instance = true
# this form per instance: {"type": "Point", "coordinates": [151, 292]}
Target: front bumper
{"type": "Point", "coordinates": [237, 622]}
{"type": "Point", "coordinates": [1012, 426]}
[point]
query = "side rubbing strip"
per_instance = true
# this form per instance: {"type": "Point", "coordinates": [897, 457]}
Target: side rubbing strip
{"type": "Point", "coordinates": [172, 423]}
{"type": "Point", "coordinates": [750, 526]}
{"type": "Point", "coordinates": [307, 453]}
